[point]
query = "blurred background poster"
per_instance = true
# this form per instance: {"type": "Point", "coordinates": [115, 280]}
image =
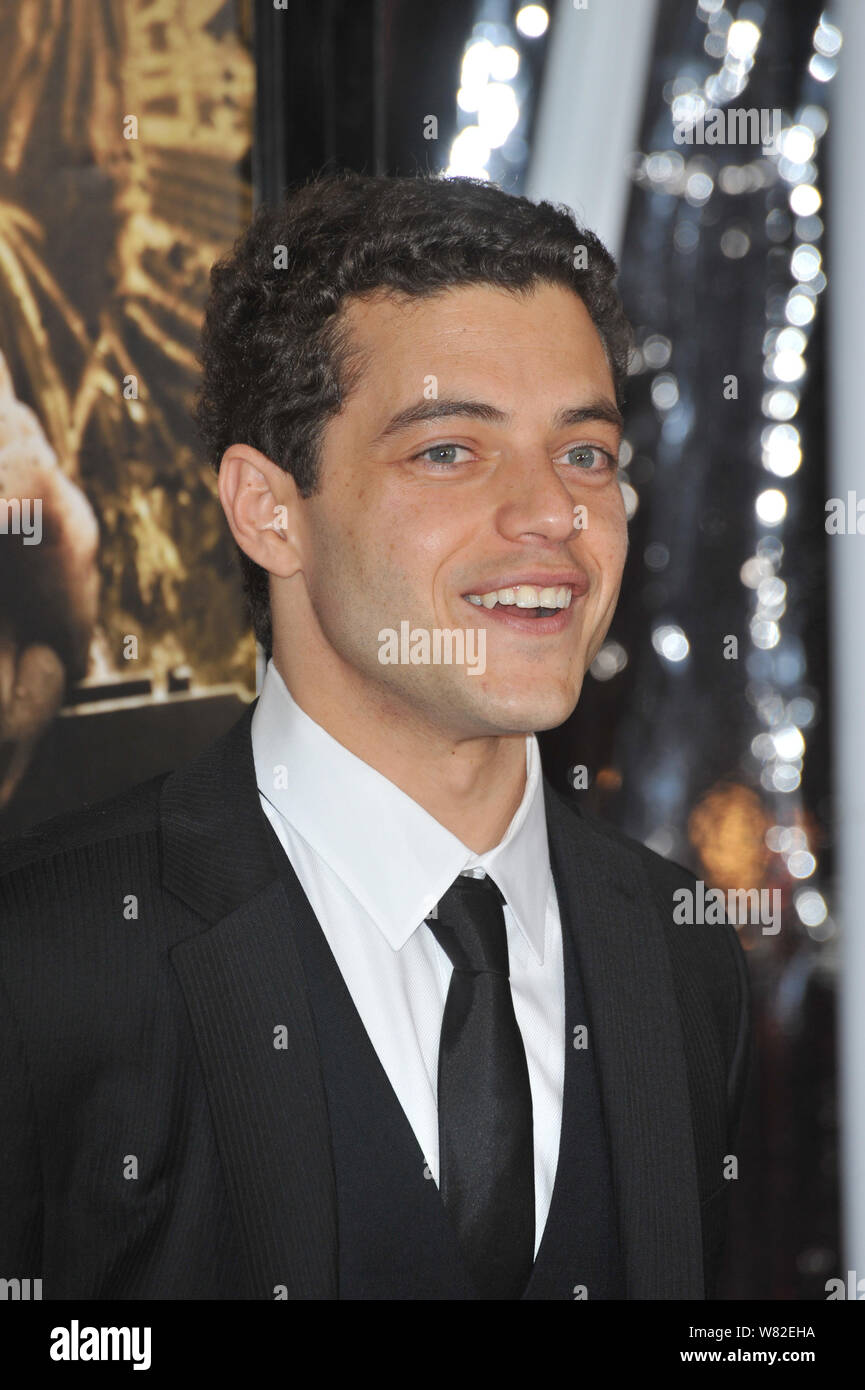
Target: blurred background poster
{"type": "Point", "coordinates": [125, 134]}
{"type": "Point", "coordinates": [715, 147]}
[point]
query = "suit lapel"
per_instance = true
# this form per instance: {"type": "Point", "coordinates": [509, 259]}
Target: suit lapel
{"type": "Point", "coordinates": [606, 901]}
{"type": "Point", "coordinates": [245, 991]}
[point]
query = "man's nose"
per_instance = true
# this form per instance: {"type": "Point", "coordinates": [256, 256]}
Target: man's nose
{"type": "Point", "coordinates": [536, 501]}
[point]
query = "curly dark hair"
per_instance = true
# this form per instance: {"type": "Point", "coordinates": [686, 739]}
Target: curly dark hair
{"type": "Point", "coordinates": [276, 359]}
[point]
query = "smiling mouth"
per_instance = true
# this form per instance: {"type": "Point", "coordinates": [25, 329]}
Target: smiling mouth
{"type": "Point", "coordinates": [526, 600]}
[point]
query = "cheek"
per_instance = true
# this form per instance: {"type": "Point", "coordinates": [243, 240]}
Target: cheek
{"type": "Point", "coordinates": [341, 528]}
{"type": "Point", "coordinates": [332, 568]}
{"type": "Point", "coordinates": [607, 539]}
{"type": "Point", "coordinates": [414, 542]}
{"type": "Point", "coordinates": [364, 556]}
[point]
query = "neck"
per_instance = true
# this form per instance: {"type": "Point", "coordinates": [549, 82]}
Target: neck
{"type": "Point", "coordinates": [471, 786]}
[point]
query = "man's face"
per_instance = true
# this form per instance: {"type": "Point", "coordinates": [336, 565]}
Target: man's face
{"type": "Point", "coordinates": [412, 517]}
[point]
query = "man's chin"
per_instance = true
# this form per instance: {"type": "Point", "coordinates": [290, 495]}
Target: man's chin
{"type": "Point", "coordinates": [529, 710]}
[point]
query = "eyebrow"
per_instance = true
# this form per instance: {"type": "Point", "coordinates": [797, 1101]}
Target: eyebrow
{"type": "Point", "coordinates": [448, 407]}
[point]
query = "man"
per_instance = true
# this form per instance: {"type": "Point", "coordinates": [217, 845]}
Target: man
{"type": "Point", "coordinates": [355, 1005]}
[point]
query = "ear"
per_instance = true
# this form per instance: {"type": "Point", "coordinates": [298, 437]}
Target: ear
{"type": "Point", "coordinates": [262, 506]}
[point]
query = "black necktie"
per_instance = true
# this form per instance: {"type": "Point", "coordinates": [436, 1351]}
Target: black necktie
{"type": "Point", "coordinates": [486, 1153]}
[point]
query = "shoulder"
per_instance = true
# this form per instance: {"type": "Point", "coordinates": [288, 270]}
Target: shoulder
{"type": "Point", "coordinates": [708, 950]}
{"type": "Point", "coordinates": [78, 843]}
{"type": "Point", "coordinates": [665, 876]}
{"type": "Point", "coordinates": [132, 812]}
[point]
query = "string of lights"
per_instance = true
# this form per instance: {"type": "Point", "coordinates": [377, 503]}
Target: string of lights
{"type": "Point", "coordinates": [493, 97]}
{"type": "Point", "coordinates": [783, 704]}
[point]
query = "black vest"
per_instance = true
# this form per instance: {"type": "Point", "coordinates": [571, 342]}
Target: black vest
{"type": "Point", "coordinates": [395, 1239]}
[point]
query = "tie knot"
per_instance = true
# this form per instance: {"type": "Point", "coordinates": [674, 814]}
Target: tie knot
{"type": "Point", "coordinates": [470, 926]}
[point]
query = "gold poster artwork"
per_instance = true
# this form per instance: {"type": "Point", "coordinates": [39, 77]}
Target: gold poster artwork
{"type": "Point", "coordinates": [125, 131]}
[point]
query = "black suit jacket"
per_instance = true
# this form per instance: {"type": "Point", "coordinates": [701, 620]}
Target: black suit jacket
{"type": "Point", "coordinates": [154, 1143]}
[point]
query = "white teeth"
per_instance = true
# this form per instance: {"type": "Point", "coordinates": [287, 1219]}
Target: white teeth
{"type": "Point", "coordinates": [525, 596]}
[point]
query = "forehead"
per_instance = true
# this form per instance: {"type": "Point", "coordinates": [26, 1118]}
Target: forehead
{"type": "Point", "coordinates": [543, 338]}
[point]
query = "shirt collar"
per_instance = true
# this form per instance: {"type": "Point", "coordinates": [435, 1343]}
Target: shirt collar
{"type": "Point", "coordinates": [393, 856]}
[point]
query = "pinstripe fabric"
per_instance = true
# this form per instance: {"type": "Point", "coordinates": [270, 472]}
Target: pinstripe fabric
{"type": "Point", "coordinates": [671, 1007]}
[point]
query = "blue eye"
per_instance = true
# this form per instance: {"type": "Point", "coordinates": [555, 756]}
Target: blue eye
{"type": "Point", "coordinates": [592, 458]}
{"type": "Point", "coordinates": [445, 453]}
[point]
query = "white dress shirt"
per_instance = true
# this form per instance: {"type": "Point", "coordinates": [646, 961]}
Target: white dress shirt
{"type": "Point", "coordinates": [373, 863]}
